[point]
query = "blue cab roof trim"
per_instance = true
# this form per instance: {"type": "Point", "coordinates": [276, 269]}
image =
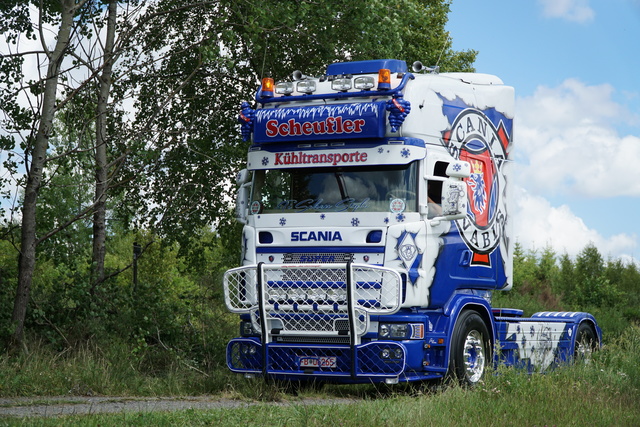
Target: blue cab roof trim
{"type": "Point", "coordinates": [367, 67]}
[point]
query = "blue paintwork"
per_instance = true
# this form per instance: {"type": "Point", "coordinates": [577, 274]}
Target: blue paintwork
{"type": "Point", "coordinates": [367, 67]}
{"type": "Point", "coordinates": [454, 270]}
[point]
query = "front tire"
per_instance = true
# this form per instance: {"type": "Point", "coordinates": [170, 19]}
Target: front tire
{"type": "Point", "coordinates": [471, 351]}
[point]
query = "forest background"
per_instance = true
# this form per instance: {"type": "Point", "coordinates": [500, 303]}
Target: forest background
{"type": "Point", "coordinates": [119, 143]}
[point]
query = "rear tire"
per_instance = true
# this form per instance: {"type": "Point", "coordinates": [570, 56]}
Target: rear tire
{"type": "Point", "coordinates": [471, 351]}
{"type": "Point", "coordinates": [586, 343]}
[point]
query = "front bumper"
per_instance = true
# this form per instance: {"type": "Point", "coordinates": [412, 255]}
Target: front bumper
{"type": "Point", "coordinates": [376, 361]}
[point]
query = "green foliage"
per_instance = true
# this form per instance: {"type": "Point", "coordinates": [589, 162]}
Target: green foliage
{"type": "Point", "coordinates": [545, 281]}
{"type": "Point", "coordinates": [8, 281]}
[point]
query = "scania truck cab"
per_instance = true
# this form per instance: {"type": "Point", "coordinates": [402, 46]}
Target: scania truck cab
{"type": "Point", "coordinates": [375, 205]}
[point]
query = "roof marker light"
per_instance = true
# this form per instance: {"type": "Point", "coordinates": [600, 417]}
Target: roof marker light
{"type": "Point", "coordinates": [384, 79]}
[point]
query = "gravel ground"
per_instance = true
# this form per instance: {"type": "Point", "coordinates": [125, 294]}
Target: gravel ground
{"type": "Point", "coordinates": [56, 406]}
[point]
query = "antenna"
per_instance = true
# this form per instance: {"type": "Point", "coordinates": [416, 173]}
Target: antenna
{"type": "Point", "coordinates": [442, 51]}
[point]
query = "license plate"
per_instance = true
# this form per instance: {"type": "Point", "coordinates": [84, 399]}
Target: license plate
{"type": "Point", "coordinates": [319, 362]}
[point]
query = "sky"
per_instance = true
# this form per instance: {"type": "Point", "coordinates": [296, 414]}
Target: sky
{"type": "Point", "coordinates": [575, 66]}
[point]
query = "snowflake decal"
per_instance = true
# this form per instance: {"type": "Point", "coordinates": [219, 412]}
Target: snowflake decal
{"type": "Point", "coordinates": [265, 161]}
{"type": "Point", "coordinates": [283, 221]}
{"type": "Point", "coordinates": [323, 216]}
{"type": "Point", "coordinates": [457, 167]}
{"type": "Point", "coordinates": [355, 222]}
{"type": "Point", "coordinates": [380, 150]}
{"type": "Point", "coordinates": [400, 217]}
{"type": "Point", "coordinates": [386, 220]}
{"type": "Point", "coordinates": [405, 152]}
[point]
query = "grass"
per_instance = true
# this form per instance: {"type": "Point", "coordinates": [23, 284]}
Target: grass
{"type": "Point", "coordinates": [573, 396]}
{"type": "Point", "coordinates": [92, 370]}
{"type": "Point", "coordinates": [604, 392]}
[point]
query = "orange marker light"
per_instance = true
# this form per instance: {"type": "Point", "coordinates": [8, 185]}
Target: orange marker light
{"type": "Point", "coordinates": [267, 87]}
{"type": "Point", "coordinates": [384, 79]}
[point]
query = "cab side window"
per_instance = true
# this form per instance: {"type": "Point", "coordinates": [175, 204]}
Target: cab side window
{"type": "Point", "coordinates": [434, 189]}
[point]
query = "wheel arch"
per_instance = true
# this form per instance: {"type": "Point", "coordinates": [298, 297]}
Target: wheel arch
{"type": "Point", "coordinates": [594, 327]}
{"type": "Point", "coordinates": [478, 305]}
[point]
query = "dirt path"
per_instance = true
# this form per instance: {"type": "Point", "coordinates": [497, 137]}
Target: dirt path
{"type": "Point", "coordinates": [62, 405]}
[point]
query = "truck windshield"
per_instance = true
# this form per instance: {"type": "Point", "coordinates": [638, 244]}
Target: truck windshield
{"type": "Point", "coordinates": [346, 189]}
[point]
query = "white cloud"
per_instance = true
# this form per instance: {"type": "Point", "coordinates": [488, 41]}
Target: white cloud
{"type": "Point", "coordinates": [567, 140]}
{"type": "Point", "coordinates": [567, 147]}
{"type": "Point", "coordinates": [570, 10]}
{"type": "Point", "coordinates": [537, 225]}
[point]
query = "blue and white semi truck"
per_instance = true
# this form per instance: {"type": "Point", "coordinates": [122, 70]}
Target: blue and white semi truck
{"type": "Point", "coordinates": [377, 225]}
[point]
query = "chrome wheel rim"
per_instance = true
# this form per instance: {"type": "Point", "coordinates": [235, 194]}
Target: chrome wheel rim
{"type": "Point", "coordinates": [474, 356]}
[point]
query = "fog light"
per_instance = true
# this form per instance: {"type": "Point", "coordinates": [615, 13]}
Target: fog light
{"type": "Point", "coordinates": [306, 86]}
{"type": "Point", "coordinates": [342, 84]}
{"type": "Point", "coordinates": [284, 88]}
{"type": "Point", "coordinates": [398, 353]}
{"type": "Point", "coordinates": [364, 82]}
{"type": "Point", "coordinates": [386, 353]}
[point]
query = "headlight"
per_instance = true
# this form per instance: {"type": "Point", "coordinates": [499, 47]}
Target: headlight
{"type": "Point", "coordinates": [383, 331]}
{"type": "Point", "coordinates": [401, 331]}
{"type": "Point", "coordinates": [246, 329]}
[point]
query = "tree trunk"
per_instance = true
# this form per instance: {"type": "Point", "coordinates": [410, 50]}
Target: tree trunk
{"type": "Point", "coordinates": [101, 175]}
{"type": "Point", "coordinates": [29, 239]}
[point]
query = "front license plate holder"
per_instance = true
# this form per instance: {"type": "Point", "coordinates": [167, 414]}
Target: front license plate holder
{"type": "Point", "coordinates": [317, 362]}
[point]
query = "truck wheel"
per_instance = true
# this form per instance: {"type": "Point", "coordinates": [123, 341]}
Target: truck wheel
{"type": "Point", "coordinates": [586, 343]}
{"type": "Point", "coordinates": [470, 349]}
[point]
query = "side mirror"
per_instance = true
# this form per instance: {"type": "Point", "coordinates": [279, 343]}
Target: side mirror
{"type": "Point", "coordinates": [459, 169]}
{"type": "Point", "coordinates": [243, 177]}
{"type": "Point", "coordinates": [242, 203]}
{"type": "Point", "coordinates": [454, 199]}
